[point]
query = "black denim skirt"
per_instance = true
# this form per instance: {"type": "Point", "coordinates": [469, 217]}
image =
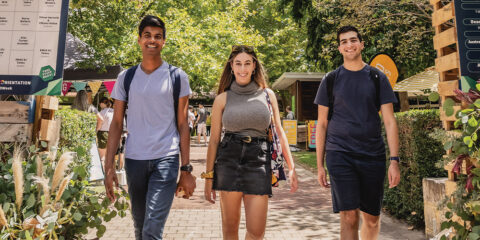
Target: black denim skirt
{"type": "Point", "coordinates": [243, 164]}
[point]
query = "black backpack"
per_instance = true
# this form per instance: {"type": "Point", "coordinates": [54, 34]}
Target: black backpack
{"type": "Point", "coordinates": [332, 76]}
{"type": "Point", "coordinates": [174, 76]}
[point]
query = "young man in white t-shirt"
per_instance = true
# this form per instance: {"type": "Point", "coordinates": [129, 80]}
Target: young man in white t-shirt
{"type": "Point", "coordinates": [155, 139]}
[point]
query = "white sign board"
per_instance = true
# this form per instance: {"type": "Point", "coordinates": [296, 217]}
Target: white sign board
{"type": "Point", "coordinates": [32, 46]}
{"type": "Point", "coordinates": [96, 168]}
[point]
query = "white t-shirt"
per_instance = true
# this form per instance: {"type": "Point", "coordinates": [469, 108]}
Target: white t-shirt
{"type": "Point", "coordinates": [191, 119]}
{"type": "Point", "coordinates": [152, 131]}
{"type": "Point", "coordinates": [107, 115]}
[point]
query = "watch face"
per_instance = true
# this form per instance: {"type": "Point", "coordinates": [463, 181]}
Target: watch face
{"type": "Point", "coordinates": [187, 168]}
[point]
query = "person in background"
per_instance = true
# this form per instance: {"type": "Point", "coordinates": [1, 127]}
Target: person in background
{"type": "Point", "coordinates": [103, 125]}
{"type": "Point", "coordinates": [121, 146]}
{"type": "Point", "coordinates": [201, 123]}
{"type": "Point", "coordinates": [81, 103]}
{"type": "Point", "coordinates": [191, 118]}
{"type": "Point", "coordinates": [290, 115]}
{"type": "Point", "coordinates": [208, 122]}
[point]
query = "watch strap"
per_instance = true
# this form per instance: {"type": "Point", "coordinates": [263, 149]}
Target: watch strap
{"type": "Point", "coordinates": [186, 168]}
{"type": "Point", "coordinates": [395, 159]}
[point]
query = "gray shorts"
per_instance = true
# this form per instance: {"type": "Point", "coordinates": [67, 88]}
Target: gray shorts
{"type": "Point", "coordinates": [202, 129]}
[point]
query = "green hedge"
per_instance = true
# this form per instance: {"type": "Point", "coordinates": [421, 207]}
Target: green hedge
{"type": "Point", "coordinates": [78, 129]}
{"type": "Point", "coordinates": [418, 153]}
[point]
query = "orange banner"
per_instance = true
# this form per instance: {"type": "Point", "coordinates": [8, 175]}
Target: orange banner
{"type": "Point", "coordinates": [385, 63]}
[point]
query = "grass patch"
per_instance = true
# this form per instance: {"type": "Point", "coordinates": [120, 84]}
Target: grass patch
{"type": "Point", "coordinates": [306, 158]}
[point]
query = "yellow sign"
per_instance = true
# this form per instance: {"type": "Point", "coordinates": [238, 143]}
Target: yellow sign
{"type": "Point", "coordinates": [312, 129]}
{"type": "Point", "coordinates": [290, 128]}
{"type": "Point", "coordinates": [385, 63]}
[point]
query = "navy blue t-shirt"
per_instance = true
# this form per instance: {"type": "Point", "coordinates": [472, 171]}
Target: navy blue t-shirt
{"type": "Point", "coordinates": [355, 125]}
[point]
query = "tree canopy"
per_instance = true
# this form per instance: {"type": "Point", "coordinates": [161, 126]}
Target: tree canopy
{"type": "Point", "coordinates": [199, 35]}
{"type": "Point", "coordinates": [403, 29]}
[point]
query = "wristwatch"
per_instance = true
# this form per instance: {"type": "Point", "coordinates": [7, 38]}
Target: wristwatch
{"type": "Point", "coordinates": [186, 168]}
{"type": "Point", "coordinates": [395, 159]}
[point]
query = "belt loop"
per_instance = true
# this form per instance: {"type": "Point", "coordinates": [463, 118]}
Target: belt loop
{"type": "Point", "coordinates": [227, 137]}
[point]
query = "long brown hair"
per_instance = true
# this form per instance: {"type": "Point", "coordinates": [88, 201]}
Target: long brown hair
{"type": "Point", "coordinates": [81, 101]}
{"type": "Point", "coordinates": [259, 76]}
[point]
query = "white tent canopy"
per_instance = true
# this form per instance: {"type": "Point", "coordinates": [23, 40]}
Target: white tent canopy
{"type": "Point", "coordinates": [414, 85]}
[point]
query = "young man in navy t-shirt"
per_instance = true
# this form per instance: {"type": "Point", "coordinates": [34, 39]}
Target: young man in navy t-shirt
{"type": "Point", "coordinates": [352, 142]}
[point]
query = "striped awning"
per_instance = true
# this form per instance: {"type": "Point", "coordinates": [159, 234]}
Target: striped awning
{"type": "Point", "coordinates": [416, 83]}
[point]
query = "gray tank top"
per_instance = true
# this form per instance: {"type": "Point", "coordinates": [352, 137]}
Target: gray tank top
{"type": "Point", "coordinates": [246, 111]}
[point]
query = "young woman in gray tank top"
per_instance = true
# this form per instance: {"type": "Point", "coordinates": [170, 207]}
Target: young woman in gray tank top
{"type": "Point", "coordinates": [239, 166]}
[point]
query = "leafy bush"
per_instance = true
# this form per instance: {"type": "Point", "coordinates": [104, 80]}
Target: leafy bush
{"type": "Point", "coordinates": [45, 198]}
{"type": "Point", "coordinates": [463, 214]}
{"type": "Point", "coordinates": [78, 129]}
{"type": "Point", "coordinates": [418, 154]}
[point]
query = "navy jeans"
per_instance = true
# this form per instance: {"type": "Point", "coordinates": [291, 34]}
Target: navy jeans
{"type": "Point", "coordinates": [151, 186]}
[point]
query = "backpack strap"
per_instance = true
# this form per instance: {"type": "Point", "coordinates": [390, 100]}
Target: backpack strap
{"type": "Point", "coordinates": [177, 84]}
{"type": "Point", "coordinates": [330, 78]}
{"type": "Point", "coordinates": [128, 79]}
{"type": "Point", "coordinates": [174, 77]}
{"type": "Point", "coordinates": [375, 77]}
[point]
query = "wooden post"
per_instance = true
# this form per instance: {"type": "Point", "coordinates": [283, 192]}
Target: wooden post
{"type": "Point", "coordinates": [46, 128]}
{"type": "Point", "coordinates": [38, 117]}
{"type": "Point", "coordinates": [403, 98]}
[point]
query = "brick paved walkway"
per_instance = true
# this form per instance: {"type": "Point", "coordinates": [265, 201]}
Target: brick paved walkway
{"type": "Point", "coordinates": [304, 215]}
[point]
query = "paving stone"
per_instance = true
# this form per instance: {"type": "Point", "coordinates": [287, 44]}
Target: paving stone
{"type": "Point", "coordinates": [306, 214]}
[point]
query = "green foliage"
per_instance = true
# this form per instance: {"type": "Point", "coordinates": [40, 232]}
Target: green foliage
{"type": "Point", "coordinates": [433, 97]}
{"type": "Point", "coordinates": [467, 207]}
{"type": "Point", "coordinates": [465, 145]}
{"type": "Point", "coordinates": [77, 129]}
{"type": "Point", "coordinates": [468, 125]}
{"type": "Point", "coordinates": [403, 29]}
{"type": "Point", "coordinates": [448, 106]}
{"type": "Point", "coordinates": [199, 35]}
{"type": "Point", "coordinates": [307, 158]}
{"type": "Point", "coordinates": [107, 27]}
{"type": "Point", "coordinates": [418, 154]}
{"type": "Point", "coordinates": [285, 43]}
{"type": "Point", "coordinates": [78, 208]}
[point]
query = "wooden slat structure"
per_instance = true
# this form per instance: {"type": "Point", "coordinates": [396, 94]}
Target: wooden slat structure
{"type": "Point", "coordinates": [444, 39]}
{"type": "Point", "coordinates": [13, 112]}
{"type": "Point", "coordinates": [447, 62]}
{"type": "Point", "coordinates": [445, 88]}
{"type": "Point", "coordinates": [29, 121]}
{"type": "Point", "coordinates": [15, 132]}
{"type": "Point", "coordinates": [14, 122]}
{"type": "Point", "coordinates": [47, 128]}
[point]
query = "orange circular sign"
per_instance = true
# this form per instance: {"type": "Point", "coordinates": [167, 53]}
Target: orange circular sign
{"type": "Point", "coordinates": [385, 63]}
